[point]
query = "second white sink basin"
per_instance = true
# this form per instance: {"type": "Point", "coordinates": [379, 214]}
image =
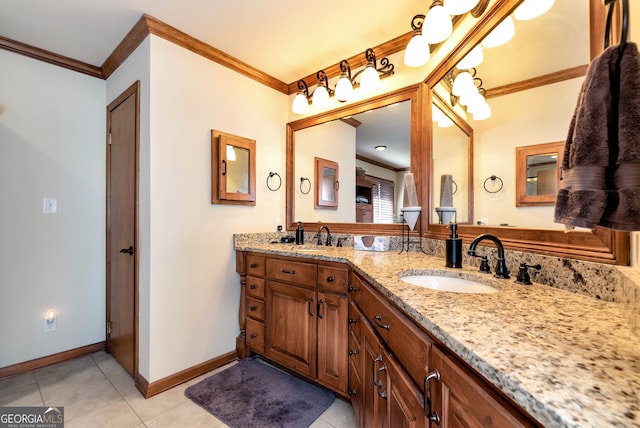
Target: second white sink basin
{"type": "Point", "coordinates": [445, 283]}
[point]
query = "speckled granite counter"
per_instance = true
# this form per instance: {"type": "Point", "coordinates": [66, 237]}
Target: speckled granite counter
{"type": "Point", "coordinates": [567, 359]}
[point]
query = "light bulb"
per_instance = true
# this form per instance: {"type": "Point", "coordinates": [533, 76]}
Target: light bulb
{"type": "Point", "coordinates": [370, 80]}
{"type": "Point", "coordinates": [483, 112]}
{"type": "Point", "coordinates": [231, 153]}
{"type": "Point", "coordinates": [437, 25]}
{"type": "Point", "coordinates": [344, 89]}
{"type": "Point", "coordinates": [458, 7]}
{"type": "Point", "coordinates": [320, 97]}
{"type": "Point", "coordinates": [300, 104]}
{"type": "Point", "coordinates": [417, 52]}
{"type": "Point", "coordinates": [472, 59]}
{"type": "Point", "coordinates": [500, 35]}
{"type": "Point", "coordinates": [462, 83]}
{"type": "Point", "coordinates": [530, 9]}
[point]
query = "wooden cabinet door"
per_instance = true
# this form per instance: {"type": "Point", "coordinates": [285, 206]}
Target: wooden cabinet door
{"type": "Point", "coordinates": [356, 362]}
{"type": "Point", "coordinates": [462, 402]}
{"type": "Point", "coordinates": [374, 411]}
{"type": "Point", "coordinates": [332, 341]}
{"type": "Point", "coordinates": [406, 409]}
{"type": "Point", "coordinates": [291, 327]}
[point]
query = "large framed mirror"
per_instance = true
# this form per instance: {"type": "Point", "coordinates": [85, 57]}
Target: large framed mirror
{"type": "Point", "coordinates": [532, 100]}
{"type": "Point", "coordinates": [370, 179]}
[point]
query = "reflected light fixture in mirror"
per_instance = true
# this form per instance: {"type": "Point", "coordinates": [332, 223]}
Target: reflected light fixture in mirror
{"type": "Point", "coordinates": [501, 34]}
{"type": "Point", "coordinates": [530, 9]}
{"type": "Point", "coordinates": [440, 118]}
{"type": "Point", "coordinates": [473, 59]}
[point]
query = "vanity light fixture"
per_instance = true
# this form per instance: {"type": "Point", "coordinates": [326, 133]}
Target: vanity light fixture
{"type": "Point", "coordinates": [437, 23]}
{"type": "Point", "coordinates": [459, 7]}
{"type": "Point", "coordinates": [501, 34]}
{"type": "Point", "coordinates": [369, 76]}
{"type": "Point", "coordinates": [380, 148]}
{"type": "Point", "coordinates": [417, 52]}
{"type": "Point", "coordinates": [440, 118]}
{"type": "Point", "coordinates": [467, 90]}
{"type": "Point", "coordinates": [530, 9]}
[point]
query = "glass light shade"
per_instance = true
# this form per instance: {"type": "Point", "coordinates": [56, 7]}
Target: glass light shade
{"type": "Point", "coordinates": [501, 34]}
{"type": "Point", "coordinates": [474, 102]}
{"type": "Point", "coordinates": [483, 112]}
{"type": "Point", "coordinates": [470, 97]}
{"type": "Point", "coordinates": [300, 104]}
{"type": "Point", "coordinates": [462, 83]}
{"type": "Point", "coordinates": [473, 59]}
{"type": "Point", "coordinates": [437, 25]}
{"type": "Point", "coordinates": [530, 9]}
{"type": "Point", "coordinates": [320, 97]}
{"type": "Point", "coordinates": [458, 7]}
{"type": "Point", "coordinates": [417, 52]}
{"type": "Point", "coordinates": [344, 89]}
{"type": "Point", "coordinates": [370, 80]}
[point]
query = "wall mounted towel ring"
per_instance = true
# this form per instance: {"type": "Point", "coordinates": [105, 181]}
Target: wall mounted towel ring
{"type": "Point", "coordinates": [455, 186]}
{"type": "Point", "coordinates": [493, 178]}
{"type": "Point", "coordinates": [271, 175]}
{"type": "Point", "coordinates": [302, 186]}
{"type": "Point", "coordinates": [624, 31]}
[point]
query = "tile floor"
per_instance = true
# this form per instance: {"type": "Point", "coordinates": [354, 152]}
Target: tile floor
{"type": "Point", "coordinates": [96, 392]}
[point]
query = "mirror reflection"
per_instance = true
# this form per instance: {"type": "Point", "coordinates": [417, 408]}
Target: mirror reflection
{"type": "Point", "coordinates": [531, 102]}
{"type": "Point", "coordinates": [373, 151]}
{"type": "Point", "coordinates": [237, 169]}
{"type": "Point", "coordinates": [541, 174]}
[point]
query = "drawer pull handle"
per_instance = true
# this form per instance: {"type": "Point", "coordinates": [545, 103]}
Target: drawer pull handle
{"type": "Point", "coordinates": [310, 302]}
{"type": "Point", "coordinates": [353, 352]}
{"type": "Point", "coordinates": [433, 417]}
{"type": "Point", "coordinates": [288, 272]}
{"type": "Point", "coordinates": [253, 265]}
{"type": "Point", "coordinates": [320, 303]}
{"type": "Point", "coordinates": [352, 321]}
{"type": "Point", "coordinates": [376, 383]}
{"type": "Point", "coordinates": [330, 279]}
{"type": "Point", "coordinates": [253, 308]}
{"type": "Point", "coordinates": [377, 318]}
{"type": "Point", "coordinates": [254, 335]}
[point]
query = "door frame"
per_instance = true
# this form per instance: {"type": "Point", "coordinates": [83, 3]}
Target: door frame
{"type": "Point", "coordinates": [134, 90]}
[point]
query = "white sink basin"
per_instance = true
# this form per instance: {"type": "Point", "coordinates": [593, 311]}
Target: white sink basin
{"type": "Point", "coordinates": [446, 283]}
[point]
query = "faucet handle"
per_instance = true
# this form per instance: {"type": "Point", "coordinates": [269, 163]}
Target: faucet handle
{"type": "Point", "coordinates": [340, 242]}
{"type": "Point", "coordinates": [329, 238]}
{"type": "Point", "coordinates": [484, 263]}
{"type": "Point", "coordinates": [523, 273]}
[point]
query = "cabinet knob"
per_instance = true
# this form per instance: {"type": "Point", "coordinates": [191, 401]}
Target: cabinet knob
{"type": "Point", "coordinates": [253, 265]}
{"type": "Point", "coordinates": [253, 335]}
{"type": "Point", "coordinates": [253, 308]}
{"type": "Point", "coordinates": [352, 321]}
{"type": "Point", "coordinates": [352, 288]}
{"type": "Point", "coordinates": [330, 279]}
{"type": "Point", "coordinates": [352, 352]}
{"type": "Point", "coordinates": [352, 392]}
{"type": "Point", "coordinates": [253, 286]}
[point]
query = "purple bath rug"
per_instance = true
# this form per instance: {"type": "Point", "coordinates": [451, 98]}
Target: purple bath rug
{"type": "Point", "coordinates": [254, 394]}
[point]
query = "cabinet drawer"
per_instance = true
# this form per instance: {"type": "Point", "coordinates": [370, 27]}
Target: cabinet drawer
{"type": "Point", "coordinates": [255, 265]}
{"type": "Point", "coordinates": [255, 287]}
{"type": "Point", "coordinates": [303, 274]}
{"type": "Point", "coordinates": [409, 344]}
{"type": "Point", "coordinates": [255, 334]}
{"type": "Point", "coordinates": [255, 308]}
{"type": "Point", "coordinates": [333, 279]}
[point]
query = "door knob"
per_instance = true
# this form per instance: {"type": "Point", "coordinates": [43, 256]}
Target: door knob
{"type": "Point", "coordinates": [128, 250]}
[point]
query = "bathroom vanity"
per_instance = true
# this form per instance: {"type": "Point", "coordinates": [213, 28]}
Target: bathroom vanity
{"type": "Point", "coordinates": [412, 356]}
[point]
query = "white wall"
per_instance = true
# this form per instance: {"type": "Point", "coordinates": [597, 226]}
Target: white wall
{"type": "Point", "coordinates": [534, 116]}
{"type": "Point", "coordinates": [52, 143]}
{"type": "Point", "coordinates": [334, 141]}
{"type": "Point", "coordinates": [194, 290]}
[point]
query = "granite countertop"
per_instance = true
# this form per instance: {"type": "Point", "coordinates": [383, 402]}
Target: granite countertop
{"type": "Point", "coordinates": [568, 360]}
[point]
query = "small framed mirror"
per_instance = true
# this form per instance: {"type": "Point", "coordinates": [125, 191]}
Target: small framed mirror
{"type": "Point", "coordinates": [233, 169]}
{"type": "Point", "coordinates": [327, 184]}
{"type": "Point", "coordinates": [538, 173]}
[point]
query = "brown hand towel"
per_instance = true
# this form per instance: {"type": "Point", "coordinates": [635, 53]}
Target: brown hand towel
{"type": "Point", "coordinates": [604, 135]}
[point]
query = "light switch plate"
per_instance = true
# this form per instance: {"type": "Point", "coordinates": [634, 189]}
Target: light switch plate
{"type": "Point", "coordinates": [49, 205]}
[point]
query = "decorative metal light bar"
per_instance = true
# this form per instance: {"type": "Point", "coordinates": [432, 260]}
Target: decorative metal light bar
{"type": "Point", "coordinates": [369, 80]}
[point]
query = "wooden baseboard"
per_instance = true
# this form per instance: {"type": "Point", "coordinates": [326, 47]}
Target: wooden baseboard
{"type": "Point", "coordinates": [150, 389]}
{"type": "Point", "coordinates": [37, 363]}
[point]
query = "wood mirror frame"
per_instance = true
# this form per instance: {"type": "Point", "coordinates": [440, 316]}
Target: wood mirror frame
{"type": "Point", "coordinates": [320, 166]}
{"type": "Point", "coordinates": [523, 198]}
{"type": "Point", "coordinates": [414, 94]}
{"type": "Point", "coordinates": [601, 245]}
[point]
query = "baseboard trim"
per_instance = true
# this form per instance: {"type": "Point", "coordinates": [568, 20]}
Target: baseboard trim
{"type": "Point", "coordinates": [150, 389]}
{"type": "Point", "coordinates": [37, 363]}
